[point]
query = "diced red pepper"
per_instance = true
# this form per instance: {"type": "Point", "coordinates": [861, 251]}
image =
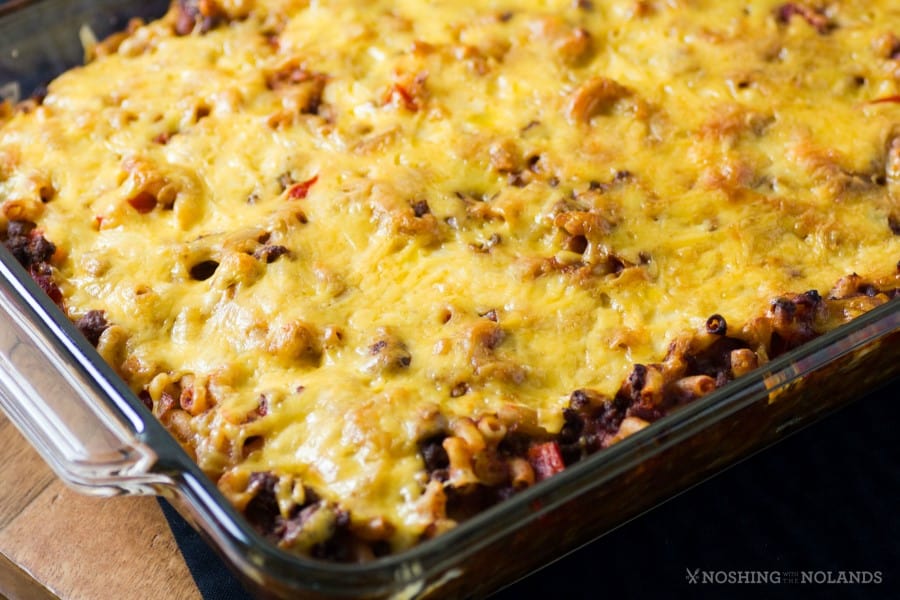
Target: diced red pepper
{"type": "Point", "coordinates": [300, 190]}
{"type": "Point", "coordinates": [545, 459]}
{"type": "Point", "coordinates": [143, 202]}
{"type": "Point", "coordinates": [406, 98]}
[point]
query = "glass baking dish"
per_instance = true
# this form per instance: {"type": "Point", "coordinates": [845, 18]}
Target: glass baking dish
{"type": "Point", "coordinates": [100, 439]}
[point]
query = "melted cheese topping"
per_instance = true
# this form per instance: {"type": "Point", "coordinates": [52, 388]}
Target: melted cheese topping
{"type": "Point", "coordinates": [483, 204]}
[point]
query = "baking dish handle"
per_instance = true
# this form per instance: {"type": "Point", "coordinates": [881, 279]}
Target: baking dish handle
{"type": "Point", "coordinates": [67, 406]}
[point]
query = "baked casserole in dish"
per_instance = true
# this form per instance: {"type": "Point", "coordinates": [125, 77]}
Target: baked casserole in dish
{"type": "Point", "coordinates": [380, 266]}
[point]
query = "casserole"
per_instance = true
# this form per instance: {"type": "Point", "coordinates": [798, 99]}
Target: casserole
{"type": "Point", "coordinates": [153, 463]}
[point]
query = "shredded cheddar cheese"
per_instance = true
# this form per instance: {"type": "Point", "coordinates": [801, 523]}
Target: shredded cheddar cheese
{"type": "Point", "coordinates": [317, 228]}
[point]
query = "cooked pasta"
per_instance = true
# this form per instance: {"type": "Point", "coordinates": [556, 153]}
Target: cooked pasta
{"type": "Point", "coordinates": [379, 265]}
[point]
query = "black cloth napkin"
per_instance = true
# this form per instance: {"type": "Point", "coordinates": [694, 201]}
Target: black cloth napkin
{"type": "Point", "coordinates": [825, 500]}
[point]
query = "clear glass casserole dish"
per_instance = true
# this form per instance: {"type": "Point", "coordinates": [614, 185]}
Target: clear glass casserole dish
{"type": "Point", "coordinates": [100, 439]}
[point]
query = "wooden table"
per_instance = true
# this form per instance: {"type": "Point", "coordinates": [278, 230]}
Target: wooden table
{"type": "Point", "coordinates": [56, 543]}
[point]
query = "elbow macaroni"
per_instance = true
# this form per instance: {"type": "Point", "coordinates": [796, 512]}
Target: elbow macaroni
{"type": "Point", "coordinates": [381, 264]}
